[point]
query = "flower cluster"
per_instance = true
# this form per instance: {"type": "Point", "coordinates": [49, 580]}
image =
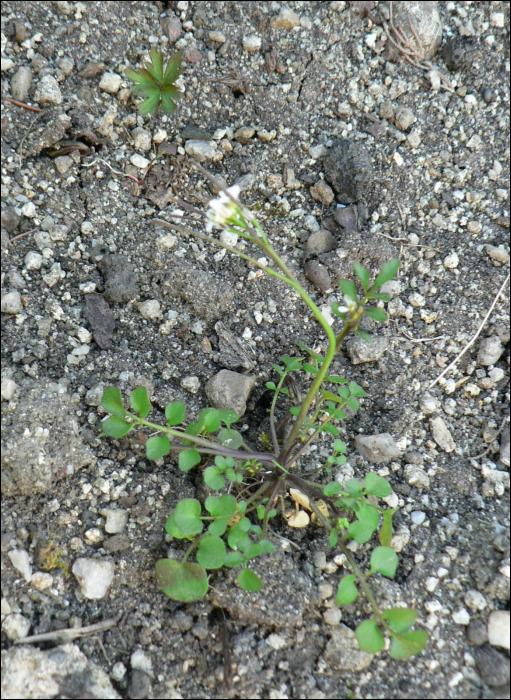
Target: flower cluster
{"type": "Point", "coordinates": [226, 211]}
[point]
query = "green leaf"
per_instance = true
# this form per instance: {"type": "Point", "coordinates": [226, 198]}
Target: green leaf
{"type": "Point", "coordinates": [385, 535]}
{"type": "Point", "coordinates": [267, 546]}
{"type": "Point", "coordinates": [333, 538]}
{"type": "Point", "coordinates": [382, 296]}
{"type": "Point", "coordinates": [230, 438]}
{"type": "Point", "coordinates": [192, 428]}
{"type": "Point", "coordinates": [213, 479]}
{"type": "Point", "coordinates": [186, 516]}
{"type": "Point", "coordinates": [140, 401]}
{"type": "Point", "coordinates": [354, 487]}
{"type": "Point", "coordinates": [250, 549]}
{"type": "Point", "coordinates": [228, 417]}
{"type": "Point", "coordinates": [233, 559]}
{"type": "Point", "coordinates": [116, 427]}
{"type": "Point", "coordinates": [377, 485]}
{"type": "Point", "coordinates": [156, 65]}
{"type": "Point", "coordinates": [182, 582]}
{"type": "Point", "coordinates": [188, 459]}
{"type": "Point", "coordinates": [361, 531]}
{"type": "Point", "coordinates": [249, 581]}
{"type": "Point", "coordinates": [329, 429]}
{"type": "Point", "coordinates": [339, 446]}
{"type": "Point", "coordinates": [261, 511]}
{"type": "Point", "coordinates": [310, 369]}
{"type": "Point", "coordinates": [211, 552]}
{"type": "Point", "coordinates": [388, 272]}
{"type": "Point", "coordinates": [172, 529]}
{"type": "Point", "coordinates": [332, 489]}
{"type": "Point", "coordinates": [292, 363]}
{"type": "Point", "coordinates": [365, 336]}
{"type": "Point", "coordinates": [294, 410]}
{"type": "Point", "coordinates": [218, 527]}
{"type": "Point", "coordinates": [144, 79]}
{"type": "Point", "coordinates": [221, 506]}
{"type": "Point", "coordinates": [369, 636]}
{"type": "Point", "coordinates": [356, 390]}
{"type": "Point", "coordinates": [348, 288]}
{"type": "Point", "coordinates": [175, 413]}
{"type": "Point", "coordinates": [377, 314]}
{"type": "Point", "coordinates": [150, 105]}
{"type": "Point", "coordinates": [212, 421]}
{"type": "Point", "coordinates": [344, 392]}
{"type": "Point", "coordinates": [157, 447]}
{"type": "Point", "coordinates": [347, 591]}
{"type": "Point", "coordinates": [271, 385]}
{"type": "Point", "coordinates": [336, 380]}
{"type": "Point", "coordinates": [408, 644]}
{"type": "Point", "coordinates": [368, 514]}
{"type": "Point", "coordinates": [384, 560]}
{"type": "Point", "coordinates": [362, 274]}
{"type": "Point", "coordinates": [173, 69]}
{"type": "Point", "coordinates": [237, 534]}
{"type": "Point", "coordinates": [352, 403]}
{"type": "Point", "coordinates": [400, 619]}
{"type": "Point", "coordinates": [112, 402]}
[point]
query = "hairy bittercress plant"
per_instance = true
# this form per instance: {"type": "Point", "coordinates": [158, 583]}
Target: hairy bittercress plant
{"type": "Point", "coordinates": [156, 85]}
{"type": "Point", "coordinates": [230, 529]}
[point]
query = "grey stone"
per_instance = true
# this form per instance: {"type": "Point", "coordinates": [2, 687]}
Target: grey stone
{"type": "Point", "coordinates": [378, 449]}
{"type": "Point", "coordinates": [404, 118]}
{"type": "Point", "coordinates": [362, 351]}
{"type": "Point", "coordinates": [11, 303]}
{"type": "Point", "coordinates": [349, 169]}
{"type": "Point", "coordinates": [318, 275]}
{"type": "Point", "coordinates": [342, 652]}
{"type": "Point", "coordinates": [230, 390]}
{"type": "Point", "coordinates": [56, 672]}
{"type": "Point", "coordinates": [48, 92]}
{"type": "Point", "coordinates": [201, 150]}
{"type": "Point", "coordinates": [477, 633]}
{"type": "Point", "coordinates": [319, 242]}
{"type": "Point", "coordinates": [234, 354]}
{"type": "Point", "coordinates": [192, 132]}
{"type": "Point", "coordinates": [20, 83]}
{"type": "Point", "coordinates": [490, 351]}
{"type": "Point", "coordinates": [207, 297]}
{"type": "Point", "coordinates": [416, 477]}
{"type": "Point", "coordinates": [504, 448]}
{"type": "Point", "coordinates": [10, 219]}
{"type": "Point", "coordinates": [458, 53]}
{"type": "Point", "coordinates": [493, 666]}
{"type": "Point", "coordinates": [426, 22]}
{"type": "Point", "coordinates": [441, 434]}
{"type": "Point", "coordinates": [42, 442]}
{"type": "Point", "coordinates": [172, 28]}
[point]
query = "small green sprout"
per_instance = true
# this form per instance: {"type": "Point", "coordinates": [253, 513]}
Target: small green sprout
{"type": "Point", "coordinates": [155, 85]}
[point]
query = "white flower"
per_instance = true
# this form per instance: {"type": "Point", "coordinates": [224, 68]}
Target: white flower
{"type": "Point", "coordinates": [350, 303]}
{"type": "Point", "coordinates": [224, 210]}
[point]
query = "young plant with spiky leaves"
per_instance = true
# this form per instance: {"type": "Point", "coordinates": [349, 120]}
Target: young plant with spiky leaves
{"type": "Point", "coordinates": [230, 529]}
{"type": "Point", "coordinates": [156, 84]}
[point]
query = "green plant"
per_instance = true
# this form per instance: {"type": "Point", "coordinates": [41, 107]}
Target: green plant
{"type": "Point", "coordinates": [230, 529]}
{"type": "Point", "coordinates": [157, 85]}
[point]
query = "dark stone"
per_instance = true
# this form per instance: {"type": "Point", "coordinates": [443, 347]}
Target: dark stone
{"type": "Point", "coordinates": [10, 219]}
{"type": "Point", "coordinates": [319, 242]}
{"type": "Point", "coordinates": [318, 275]}
{"type": "Point", "coordinates": [477, 633]}
{"type": "Point", "coordinates": [458, 53]}
{"type": "Point", "coordinates": [347, 217]}
{"type": "Point", "coordinates": [349, 169]}
{"type": "Point", "coordinates": [493, 666]}
{"type": "Point", "coordinates": [207, 297]}
{"type": "Point", "coordinates": [101, 319]}
{"type": "Point", "coordinates": [195, 132]}
{"type": "Point", "coordinates": [139, 686]}
{"type": "Point", "coordinates": [120, 278]}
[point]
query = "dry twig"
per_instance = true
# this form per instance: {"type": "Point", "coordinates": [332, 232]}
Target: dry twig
{"type": "Point", "coordinates": [69, 634]}
{"type": "Point", "coordinates": [22, 104]}
{"type": "Point", "coordinates": [471, 342]}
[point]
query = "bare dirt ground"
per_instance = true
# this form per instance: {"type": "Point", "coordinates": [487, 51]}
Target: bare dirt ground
{"type": "Point", "coordinates": [272, 89]}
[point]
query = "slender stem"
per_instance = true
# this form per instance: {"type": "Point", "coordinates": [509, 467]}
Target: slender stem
{"type": "Point", "coordinates": [273, 431]}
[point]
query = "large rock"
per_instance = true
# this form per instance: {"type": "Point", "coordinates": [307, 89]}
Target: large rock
{"type": "Point", "coordinates": [207, 297]}
{"type": "Point", "coordinates": [426, 21]}
{"type": "Point", "coordinates": [377, 449]}
{"type": "Point", "coordinates": [230, 390]}
{"type": "Point", "coordinates": [41, 441]}
{"type": "Point", "coordinates": [349, 169]}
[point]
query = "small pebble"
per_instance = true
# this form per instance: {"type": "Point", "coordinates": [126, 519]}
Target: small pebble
{"type": "Point", "coordinates": [191, 384]}
{"type": "Point", "coordinates": [332, 616]}
{"type": "Point", "coordinates": [8, 389]}
{"type": "Point", "coordinates": [498, 254]}
{"type": "Point", "coordinates": [498, 629]}
{"type": "Point", "coordinates": [151, 310]}
{"type": "Point", "coordinates": [474, 227]}
{"type": "Point", "coordinates": [418, 517]}
{"type": "Point", "coordinates": [94, 577]}
{"type": "Point", "coordinates": [11, 303]}
{"type": "Point", "coordinates": [417, 477]}
{"type": "Point", "coordinates": [475, 600]}
{"type": "Point", "coordinates": [452, 261]}
{"type": "Point", "coordinates": [461, 617]}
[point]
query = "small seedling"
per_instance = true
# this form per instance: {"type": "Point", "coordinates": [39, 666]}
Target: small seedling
{"type": "Point", "coordinates": [156, 85]}
{"type": "Point", "coordinates": [230, 529]}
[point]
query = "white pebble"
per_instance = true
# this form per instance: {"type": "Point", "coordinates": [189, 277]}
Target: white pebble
{"type": "Point", "coordinates": [431, 583]}
{"type": "Point", "coordinates": [417, 299]}
{"type": "Point", "coordinates": [398, 159]}
{"type": "Point", "coordinates": [9, 387]}
{"type": "Point", "coordinates": [252, 43]}
{"type": "Point", "coordinates": [461, 617]}
{"type": "Point", "coordinates": [475, 600]}
{"type": "Point", "coordinates": [452, 261]}
{"type": "Point", "coordinates": [332, 616]}
{"type": "Point", "coordinates": [139, 161]}
{"type": "Point", "coordinates": [418, 517]}
{"type": "Point", "coordinates": [33, 260]}
{"type": "Point", "coordinates": [20, 559]}
{"type": "Point", "coordinates": [94, 577]}
{"type": "Point", "coordinates": [191, 384]}
{"type": "Point", "coordinates": [498, 629]}
{"type": "Point", "coordinates": [150, 310]}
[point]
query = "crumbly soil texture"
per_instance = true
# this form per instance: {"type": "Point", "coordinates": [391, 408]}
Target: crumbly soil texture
{"type": "Point", "coordinates": [411, 163]}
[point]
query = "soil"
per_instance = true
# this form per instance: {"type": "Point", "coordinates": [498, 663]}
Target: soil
{"type": "Point", "coordinates": [80, 257]}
